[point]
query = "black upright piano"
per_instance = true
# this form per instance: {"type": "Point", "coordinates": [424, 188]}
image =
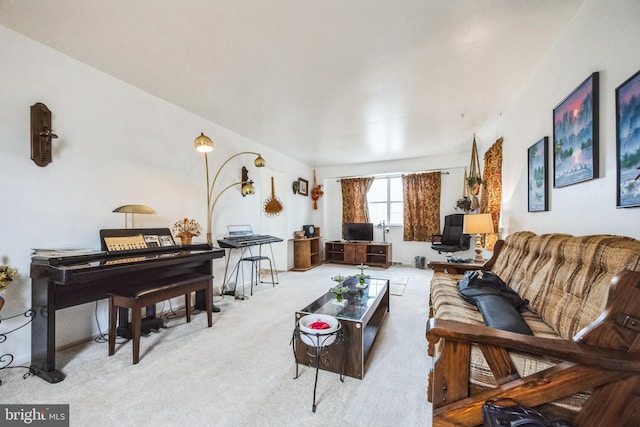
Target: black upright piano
{"type": "Point", "coordinates": [128, 257]}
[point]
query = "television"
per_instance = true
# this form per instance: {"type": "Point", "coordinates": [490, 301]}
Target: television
{"type": "Point", "coordinates": [357, 231]}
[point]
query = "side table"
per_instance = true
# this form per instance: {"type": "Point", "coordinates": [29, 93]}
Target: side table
{"type": "Point", "coordinates": [316, 357]}
{"type": "Point", "coordinates": [454, 267]}
{"type": "Point", "coordinates": [7, 359]}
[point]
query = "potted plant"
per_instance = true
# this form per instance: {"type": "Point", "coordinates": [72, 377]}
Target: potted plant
{"type": "Point", "coordinates": [474, 183]}
{"type": "Point", "coordinates": [362, 277]}
{"type": "Point", "coordinates": [463, 204]}
{"type": "Point", "coordinates": [186, 230]}
{"type": "Point", "coordinates": [339, 290]}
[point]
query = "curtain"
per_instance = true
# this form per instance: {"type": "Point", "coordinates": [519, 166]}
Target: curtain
{"type": "Point", "coordinates": [492, 189]}
{"type": "Point", "coordinates": [421, 193]}
{"type": "Point", "coordinates": [354, 199]}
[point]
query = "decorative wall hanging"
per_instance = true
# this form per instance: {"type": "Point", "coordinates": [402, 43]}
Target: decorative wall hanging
{"type": "Point", "coordinates": [538, 192]}
{"type": "Point", "coordinates": [316, 192]}
{"type": "Point", "coordinates": [273, 205]}
{"type": "Point", "coordinates": [628, 142]}
{"type": "Point", "coordinates": [303, 187]}
{"type": "Point", "coordinates": [41, 134]}
{"type": "Point", "coordinates": [474, 180]}
{"type": "Point", "coordinates": [575, 135]}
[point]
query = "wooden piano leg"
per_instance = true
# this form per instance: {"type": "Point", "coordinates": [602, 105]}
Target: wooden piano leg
{"type": "Point", "coordinates": [136, 330]}
{"type": "Point", "coordinates": [187, 306]}
{"type": "Point", "coordinates": [113, 310]}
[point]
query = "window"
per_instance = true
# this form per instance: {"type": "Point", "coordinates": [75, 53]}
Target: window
{"type": "Point", "coordinates": [385, 200]}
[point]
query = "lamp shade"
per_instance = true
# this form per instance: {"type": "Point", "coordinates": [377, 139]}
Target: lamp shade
{"type": "Point", "coordinates": [203, 143]}
{"type": "Point", "coordinates": [477, 224]}
{"type": "Point", "coordinates": [135, 209]}
{"type": "Point", "coordinates": [259, 161]}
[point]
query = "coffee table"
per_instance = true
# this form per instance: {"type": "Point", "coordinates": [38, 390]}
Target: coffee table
{"type": "Point", "coordinates": [361, 319]}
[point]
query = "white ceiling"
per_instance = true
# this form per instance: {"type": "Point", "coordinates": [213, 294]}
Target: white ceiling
{"type": "Point", "coordinates": [328, 82]}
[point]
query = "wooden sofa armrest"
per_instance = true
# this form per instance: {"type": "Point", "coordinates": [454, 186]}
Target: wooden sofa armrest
{"type": "Point", "coordinates": [604, 357]}
{"type": "Point", "coordinates": [556, 348]}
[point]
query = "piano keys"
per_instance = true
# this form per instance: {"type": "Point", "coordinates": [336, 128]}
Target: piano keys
{"type": "Point", "coordinates": [237, 242]}
{"type": "Point", "coordinates": [61, 282]}
{"type": "Point", "coordinates": [243, 242]}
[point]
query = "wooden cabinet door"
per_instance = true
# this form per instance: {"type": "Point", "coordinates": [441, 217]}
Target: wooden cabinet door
{"type": "Point", "coordinates": [349, 253]}
{"type": "Point", "coordinates": [361, 254]}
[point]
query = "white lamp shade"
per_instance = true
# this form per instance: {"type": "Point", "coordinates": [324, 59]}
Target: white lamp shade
{"type": "Point", "coordinates": [477, 224]}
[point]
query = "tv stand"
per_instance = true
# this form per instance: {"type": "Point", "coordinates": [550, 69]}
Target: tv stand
{"type": "Point", "coordinates": [369, 253]}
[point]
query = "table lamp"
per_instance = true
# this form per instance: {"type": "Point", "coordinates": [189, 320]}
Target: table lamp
{"type": "Point", "coordinates": [478, 224]}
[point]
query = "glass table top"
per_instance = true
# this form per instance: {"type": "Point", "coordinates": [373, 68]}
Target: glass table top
{"type": "Point", "coordinates": [358, 302]}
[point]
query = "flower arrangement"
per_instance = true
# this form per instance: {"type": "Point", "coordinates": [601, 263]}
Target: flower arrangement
{"type": "Point", "coordinates": [6, 275]}
{"type": "Point", "coordinates": [186, 229]}
{"type": "Point", "coordinates": [339, 290]}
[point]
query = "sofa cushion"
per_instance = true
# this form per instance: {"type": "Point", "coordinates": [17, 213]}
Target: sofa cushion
{"type": "Point", "coordinates": [565, 278]}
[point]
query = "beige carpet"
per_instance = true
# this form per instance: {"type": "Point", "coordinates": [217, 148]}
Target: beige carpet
{"type": "Point", "coordinates": [240, 372]}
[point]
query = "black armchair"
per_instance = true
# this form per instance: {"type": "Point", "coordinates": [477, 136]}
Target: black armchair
{"type": "Point", "coordinates": [452, 238]}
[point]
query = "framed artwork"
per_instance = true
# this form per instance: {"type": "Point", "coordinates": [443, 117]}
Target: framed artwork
{"type": "Point", "coordinates": [575, 135]}
{"type": "Point", "coordinates": [628, 142]}
{"type": "Point", "coordinates": [303, 187]}
{"type": "Point", "coordinates": [538, 191]}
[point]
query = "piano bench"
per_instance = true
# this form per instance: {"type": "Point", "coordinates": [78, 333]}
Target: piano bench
{"type": "Point", "coordinates": [143, 295]}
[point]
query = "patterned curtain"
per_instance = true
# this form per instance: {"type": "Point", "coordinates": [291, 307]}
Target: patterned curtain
{"type": "Point", "coordinates": [492, 189]}
{"type": "Point", "coordinates": [421, 194]}
{"type": "Point", "coordinates": [354, 199]}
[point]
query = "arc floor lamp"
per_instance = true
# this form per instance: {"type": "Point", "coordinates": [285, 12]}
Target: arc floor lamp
{"type": "Point", "coordinates": [204, 144]}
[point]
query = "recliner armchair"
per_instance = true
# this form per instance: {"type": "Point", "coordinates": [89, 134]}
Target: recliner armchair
{"type": "Point", "coordinates": [452, 238]}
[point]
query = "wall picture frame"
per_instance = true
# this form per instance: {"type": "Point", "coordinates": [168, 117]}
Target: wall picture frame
{"type": "Point", "coordinates": [303, 187]}
{"type": "Point", "coordinates": [538, 166]}
{"type": "Point", "coordinates": [576, 135]}
{"type": "Point", "coordinates": [628, 142]}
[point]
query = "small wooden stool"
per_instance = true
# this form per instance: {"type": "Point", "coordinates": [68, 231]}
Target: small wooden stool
{"type": "Point", "coordinates": [135, 298]}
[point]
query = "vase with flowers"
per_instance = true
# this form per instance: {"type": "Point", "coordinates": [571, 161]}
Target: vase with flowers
{"type": "Point", "coordinates": [7, 275]}
{"type": "Point", "coordinates": [186, 230]}
{"type": "Point", "coordinates": [339, 290]}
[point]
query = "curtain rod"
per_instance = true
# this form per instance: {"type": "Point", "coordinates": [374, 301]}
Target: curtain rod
{"type": "Point", "coordinates": [380, 175]}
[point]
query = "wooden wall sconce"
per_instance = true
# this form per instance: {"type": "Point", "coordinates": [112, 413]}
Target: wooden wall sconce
{"type": "Point", "coordinates": [41, 134]}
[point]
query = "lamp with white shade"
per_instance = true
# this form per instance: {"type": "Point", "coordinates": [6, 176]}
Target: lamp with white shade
{"type": "Point", "coordinates": [478, 224]}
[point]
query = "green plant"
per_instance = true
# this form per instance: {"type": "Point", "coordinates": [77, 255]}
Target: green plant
{"type": "Point", "coordinates": [463, 204]}
{"type": "Point", "coordinates": [473, 180]}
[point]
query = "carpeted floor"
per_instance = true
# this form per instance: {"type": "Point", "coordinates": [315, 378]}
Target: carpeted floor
{"type": "Point", "coordinates": [240, 372]}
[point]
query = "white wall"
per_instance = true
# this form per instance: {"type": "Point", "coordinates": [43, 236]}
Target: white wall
{"type": "Point", "coordinates": [602, 37]}
{"type": "Point", "coordinates": [117, 145]}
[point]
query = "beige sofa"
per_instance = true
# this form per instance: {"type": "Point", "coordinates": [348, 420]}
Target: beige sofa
{"type": "Point", "coordinates": [583, 362]}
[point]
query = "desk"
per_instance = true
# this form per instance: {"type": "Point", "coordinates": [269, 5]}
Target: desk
{"type": "Point", "coordinates": [454, 267]}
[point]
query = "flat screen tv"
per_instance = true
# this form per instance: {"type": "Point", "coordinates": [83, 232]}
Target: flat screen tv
{"type": "Point", "coordinates": [357, 231]}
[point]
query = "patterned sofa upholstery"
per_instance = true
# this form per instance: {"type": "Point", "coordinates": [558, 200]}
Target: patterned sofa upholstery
{"type": "Point", "coordinates": [568, 281]}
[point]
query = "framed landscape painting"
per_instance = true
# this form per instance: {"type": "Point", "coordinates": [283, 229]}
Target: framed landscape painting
{"type": "Point", "coordinates": [537, 176]}
{"type": "Point", "coordinates": [628, 142]}
{"type": "Point", "coordinates": [575, 135]}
